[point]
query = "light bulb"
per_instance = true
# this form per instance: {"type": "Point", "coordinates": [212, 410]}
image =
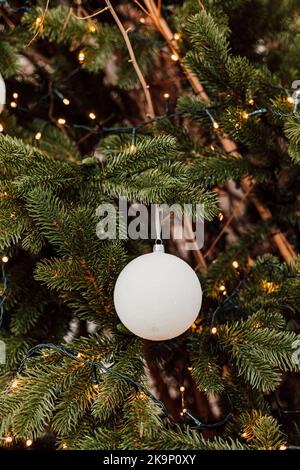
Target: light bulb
{"type": "Point", "coordinates": [92, 116]}
{"type": "Point", "coordinates": [132, 148]}
{"type": "Point", "coordinates": [235, 264]}
{"type": "Point", "coordinates": [166, 96]}
{"type": "Point", "coordinates": [182, 388]}
{"type": "Point", "coordinates": [251, 101]}
{"type": "Point", "coordinates": [222, 288]}
{"type": "Point", "coordinates": [81, 57]}
{"type": "Point", "coordinates": [213, 330]}
{"type": "Point", "coordinates": [28, 443]}
{"type": "Point", "coordinates": [9, 439]}
{"type": "Point", "coordinates": [38, 136]}
{"type": "Point", "coordinates": [177, 36]}
{"type": "Point", "coordinates": [1, 128]}
{"type": "Point", "coordinates": [142, 20]}
{"type": "Point", "coordinates": [220, 216]}
{"type": "Point", "coordinates": [13, 104]}
{"type": "Point", "coordinates": [283, 447]}
{"type": "Point", "coordinates": [61, 121]}
{"type": "Point", "coordinates": [174, 57]}
{"type": "Point", "coordinates": [15, 96]}
{"type": "Point", "coordinates": [66, 102]}
{"type": "Point", "coordinates": [5, 259]}
{"type": "Point", "coordinates": [92, 28]}
{"type": "Point", "coordinates": [245, 115]}
{"type": "Point", "coordinates": [215, 125]}
{"type": "Point", "coordinates": [38, 21]}
{"type": "Point", "coordinates": [290, 99]}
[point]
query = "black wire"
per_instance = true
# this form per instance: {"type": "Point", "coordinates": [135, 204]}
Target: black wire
{"type": "Point", "coordinates": [73, 355]}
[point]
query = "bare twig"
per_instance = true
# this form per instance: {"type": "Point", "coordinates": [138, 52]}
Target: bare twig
{"type": "Point", "coordinates": [229, 146]}
{"type": "Point", "coordinates": [96, 13]}
{"type": "Point", "coordinates": [41, 23]}
{"type": "Point", "coordinates": [133, 60]}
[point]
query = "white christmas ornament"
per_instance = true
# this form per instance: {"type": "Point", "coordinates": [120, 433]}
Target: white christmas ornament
{"type": "Point", "coordinates": [2, 94]}
{"type": "Point", "coordinates": [157, 296]}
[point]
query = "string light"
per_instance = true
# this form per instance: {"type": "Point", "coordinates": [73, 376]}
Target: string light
{"type": "Point", "coordinates": [222, 288]}
{"type": "Point", "coordinates": [61, 121]}
{"type": "Point", "coordinates": [220, 216]}
{"type": "Point", "coordinates": [245, 115]}
{"type": "Point", "coordinates": [92, 28]}
{"type": "Point", "coordinates": [132, 148]}
{"type": "Point", "coordinates": [92, 116]}
{"type": "Point", "coordinates": [8, 439]}
{"type": "Point", "coordinates": [290, 99]}
{"type": "Point", "coordinates": [244, 435]}
{"type": "Point", "coordinates": [142, 20]}
{"type": "Point", "coordinates": [28, 443]}
{"type": "Point", "coordinates": [13, 104]}
{"type": "Point", "coordinates": [235, 264]}
{"type": "Point", "coordinates": [38, 21]}
{"type": "Point", "coordinates": [283, 447]}
{"type": "Point", "coordinates": [38, 136]}
{"type": "Point", "coordinates": [215, 125]}
{"type": "Point", "coordinates": [177, 36]}
{"type": "Point", "coordinates": [174, 57]}
{"type": "Point", "coordinates": [1, 128]}
{"type": "Point", "coordinates": [213, 330]}
{"type": "Point", "coordinates": [251, 101]}
{"type": "Point", "coordinates": [166, 96]}
{"type": "Point", "coordinates": [15, 95]}
{"type": "Point", "coordinates": [190, 369]}
{"type": "Point", "coordinates": [64, 446]}
{"type": "Point", "coordinates": [66, 102]}
{"type": "Point", "coordinates": [212, 147]}
{"type": "Point", "coordinates": [182, 388]}
{"type": "Point", "coordinates": [81, 57]}
{"type": "Point", "coordinates": [14, 384]}
{"type": "Point", "coordinates": [5, 259]}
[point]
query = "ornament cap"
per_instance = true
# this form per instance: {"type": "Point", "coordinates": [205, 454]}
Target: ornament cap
{"type": "Point", "coordinates": [158, 247]}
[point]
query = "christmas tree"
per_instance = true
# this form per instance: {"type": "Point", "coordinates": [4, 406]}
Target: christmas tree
{"type": "Point", "coordinates": [159, 103]}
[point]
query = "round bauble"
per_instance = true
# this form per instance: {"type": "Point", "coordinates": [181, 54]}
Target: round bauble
{"type": "Point", "coordinates": [2, 94]}
{"type": "Point", "coordinates": [157, 296]}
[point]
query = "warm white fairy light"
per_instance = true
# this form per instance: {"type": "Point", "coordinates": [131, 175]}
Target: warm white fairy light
{"type": "Point", "coordinates": [132, 148]}
{"type": "Point", "coordinates": [13, 104]}
{"type": "Point", "coordinates": [251, 101]}
{"type": "Point", "coordinates": [92, 28]}
{"type": "Point", "coordinates": [5, 259]}
{"type": "Point", "coordinates": [282, 447]}
{"type": "Point", "coordinates": [8, 439]}
{"type": "Point", "coordinates": [92, 116]}
{"type": "Point", "coordinates": [81, 57]}
{"type": "Point", "coordinates": [235, 264]}
{"type": "Point", "coordinates": [216, 125]}
{"type": "Point", "coordinates": [142, 20]}
{"type": "Point", "coordinates": [28, 443]}
{"type": "Point", "coordinates": [177, 36]}
{"type": "Point", "coordinates": [38, 136]}
{"type": "Point", "coordinates": [174, 57]}
{"type": "Point", "coordinates": [290, 99]}
{"type": "Point", "coordinates": [166, 96]}
{"type": "Point", "coordinates": [222, 288]}
{"type": "Point", "coordinates": [182, 388]}
{"type": "Point", "coordinates": [213, 330]}
{"type": "Point", "coordinates": [38, 21]}
{"type": "Point", "coordinates": [61, 121]}
{"type": "Point", "coordinates": [190, 369]}
{"type": "Point", "coordinates": [220, 216]}
{"type": "Point", "coordinates": [1, 128]}
{"type": "Point", "coordinates": [64, 446]}
{"type": "Point", "coordinates": [245, 115]}
{"type": "Point", "coordinates": [15, 96]}
{"type": "Point", "coordinates": [66, 102]}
